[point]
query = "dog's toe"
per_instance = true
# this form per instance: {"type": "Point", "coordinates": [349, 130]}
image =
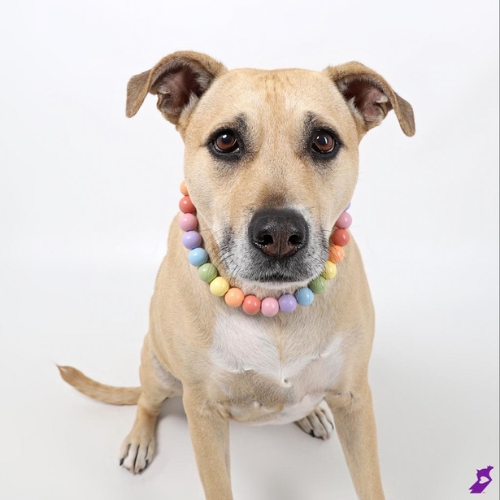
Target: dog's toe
{"type": "Point", "coordinates": [136, 453]}
{"type": "Point", "coordinates": [319, 423]}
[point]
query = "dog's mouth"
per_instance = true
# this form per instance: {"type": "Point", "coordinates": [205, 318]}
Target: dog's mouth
{"type": "Point", "coordinates": [265, 270]}
{"type": "Point", "coordinates": [246, 262]}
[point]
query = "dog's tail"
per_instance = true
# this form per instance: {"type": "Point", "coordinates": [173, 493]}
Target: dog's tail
{"type": "Point", "coordinates": [101, 392]}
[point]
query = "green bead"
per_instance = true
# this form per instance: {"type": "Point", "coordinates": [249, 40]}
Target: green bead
{"type": "Point", "coordinates": [207, 272]}
{"type": "Point", "coordinates": [318, 285]}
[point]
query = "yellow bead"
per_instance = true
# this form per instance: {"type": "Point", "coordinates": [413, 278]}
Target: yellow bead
{"type": "Point", "coordinates": [219, 286]}
{"type": "Point", "coordinates": [330, 270]}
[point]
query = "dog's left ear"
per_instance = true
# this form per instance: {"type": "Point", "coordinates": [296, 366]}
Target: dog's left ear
{"type": "Point", "coordinates": [179, 80]}
{"type": "Point", "coordinates": [370, 97]}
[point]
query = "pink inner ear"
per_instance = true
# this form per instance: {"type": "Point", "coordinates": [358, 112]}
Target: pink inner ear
{"type": "Point", "coordinates": [178, 84]}
{"type": "Point", "coordinates": [368, 100]}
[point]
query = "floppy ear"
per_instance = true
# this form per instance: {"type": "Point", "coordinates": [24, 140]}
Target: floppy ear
{"type": "Point", "coordinates": [178, 79]}
{"type": "Point", "coordinates": [370, 97]}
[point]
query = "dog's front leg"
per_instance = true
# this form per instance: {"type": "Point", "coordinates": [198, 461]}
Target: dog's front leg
{"type": "Point", "coordinates": [355, 423]}
{"type": "Point", "coordinates": [209, 430]}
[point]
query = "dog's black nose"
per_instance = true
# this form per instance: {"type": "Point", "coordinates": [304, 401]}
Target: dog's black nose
{"type": "Point", "coordinates": [278, 232]}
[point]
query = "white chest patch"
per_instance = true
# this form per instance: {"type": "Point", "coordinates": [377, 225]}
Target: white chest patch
{"type": "Point", "coordinates": [304, 370]}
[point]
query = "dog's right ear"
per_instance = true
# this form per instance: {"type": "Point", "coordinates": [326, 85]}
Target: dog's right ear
{"type": "Point", "coordinates": [179, 80]}
{"type": "Point", "coordinates": [370, 97]}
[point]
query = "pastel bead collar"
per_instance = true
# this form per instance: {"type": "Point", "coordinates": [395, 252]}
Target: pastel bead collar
{"type": "Point", "coordinates": [234, 297]}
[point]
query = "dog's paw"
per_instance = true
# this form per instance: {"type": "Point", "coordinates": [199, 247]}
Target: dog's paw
{"type": "Point", "coordinates": [137, 451]}
{"type": "Point", "coordinates": [319, 423]}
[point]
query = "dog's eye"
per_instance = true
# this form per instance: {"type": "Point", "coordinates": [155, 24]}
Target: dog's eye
{"type": "Point", "coordinates": [323, 142]}
{"type": "Point", "coordinates": [226, 142]}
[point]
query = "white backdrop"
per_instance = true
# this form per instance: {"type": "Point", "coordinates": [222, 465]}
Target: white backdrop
{"type": "Point", "coordinates": [87, 196]}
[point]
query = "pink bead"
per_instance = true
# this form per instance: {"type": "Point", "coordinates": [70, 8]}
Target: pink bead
{"type": "Point", "coordinates": [270, 307]}
{"type": "Point", "coordinates": [188, 222]}
{"type": "Point", "coordinates": [344, 221]}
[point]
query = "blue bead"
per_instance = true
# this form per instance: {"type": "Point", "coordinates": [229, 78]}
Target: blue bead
{"type": "Point", "coordinates": [198, 257]}
{"type": "Point", "coordinates": [304, 296]}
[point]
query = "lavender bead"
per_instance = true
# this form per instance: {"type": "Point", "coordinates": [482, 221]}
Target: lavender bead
{"type": "Point", "coordinates": [191, 239]}
{"type": "Point", "coordinates": [288, 303]}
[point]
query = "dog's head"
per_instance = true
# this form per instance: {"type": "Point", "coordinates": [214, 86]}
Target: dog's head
{"type": "Point", "coordinates": [271, 157]}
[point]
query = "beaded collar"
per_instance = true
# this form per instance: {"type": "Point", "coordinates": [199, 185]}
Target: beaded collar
{"type": "Point", "coordinates": [234, 297]}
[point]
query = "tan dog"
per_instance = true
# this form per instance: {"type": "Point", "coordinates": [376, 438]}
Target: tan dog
{"type": "Point", "coordinates": [271, 161]}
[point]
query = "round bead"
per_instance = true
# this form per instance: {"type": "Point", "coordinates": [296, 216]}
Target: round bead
{"type": "Point", "coordinates": [287, 303]}
{"type": "Point", "coordinates": [318, 285]}
{"type": "Point", "coordinates": [340, 237]}
{"type": "Point", "coordinates": [207, 272]}
{"type": "Point", "coordinates": [191, 239]}
{"type": "Point", "coordinates": [330, 270]}
{"type": "Point", "coordinates": [184, 189]}
{"type": "Point", "coordinates": [344, 221]}
{"type": "Point", "coordinates": [197, 257]}
{"type": "Point", "coordinates": [251, 305]}
{"type": "Point", "coordinates": [270, 307]}
{"type": "Point", "coordinates": [188, 222]}
{"type": "Point", "coordinates": [234, 297]}
{"type": "Point", "coordinates": [336, 254]}
{"type": "Point", "coordinates": [219, 286]}
{"type": "Point", "coordinates": [304, 296]}
{"type": "Point", "coordinates": [186, 205]}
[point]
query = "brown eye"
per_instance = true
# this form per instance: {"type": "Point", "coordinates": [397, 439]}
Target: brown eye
{"type": "Point", "coordinates": [226, 143]}
{"type": "Point", "coordinates": [323, 142]}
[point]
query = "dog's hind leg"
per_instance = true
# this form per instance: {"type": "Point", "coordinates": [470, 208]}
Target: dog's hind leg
{"type": "Point", "coordinates": [157, 384]}
{"type": "Point", "coordinates": [319, 423]}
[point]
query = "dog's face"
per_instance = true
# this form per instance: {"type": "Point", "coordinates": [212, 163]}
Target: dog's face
{"type": "Point", "coordinates": [271, 157]}
{"type": "Point", "coordinates": [271, 161]}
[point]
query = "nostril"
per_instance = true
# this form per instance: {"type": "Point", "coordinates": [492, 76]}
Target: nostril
{"type": "Point", "coordinates": [295, 240]}
{"type": "Point", "coordinates": [264, 239]}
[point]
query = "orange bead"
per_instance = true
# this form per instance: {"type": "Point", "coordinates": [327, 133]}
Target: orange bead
{"type": "Point", "coordinates": [234, 297]}
{"type": "Point", "coordinates": [184, 189]}
{"type": "Point", "coordinates": [186, 205]}
{"type": "Point", "coordinates": [340, 237]}
{"type": "Point", "coordinates": [336, 254]}
{"type": "Point", "coordinates": [251, 305]}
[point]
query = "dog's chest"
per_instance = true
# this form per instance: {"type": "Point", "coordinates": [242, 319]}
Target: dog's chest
{"type": "Point", "coordinates": [271, 374]}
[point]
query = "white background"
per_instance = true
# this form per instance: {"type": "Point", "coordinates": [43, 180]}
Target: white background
{"type": "Point", "coordinates": [87, 196]}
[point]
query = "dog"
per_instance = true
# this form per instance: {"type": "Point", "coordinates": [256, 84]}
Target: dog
{"type": "Point", "coordinates": [484, 473]}
{"type": "Point", "coordinates": [271, 162]}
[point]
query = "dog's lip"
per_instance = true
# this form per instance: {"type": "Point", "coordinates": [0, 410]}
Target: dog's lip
{"type": "Point", "coordinates": [276, 284]}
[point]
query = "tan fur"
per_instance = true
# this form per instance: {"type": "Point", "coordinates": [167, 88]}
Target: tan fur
{"type": "Point", "coordinates": [101, 392]}
{"type": "Point", "coordinates": [186, 321]}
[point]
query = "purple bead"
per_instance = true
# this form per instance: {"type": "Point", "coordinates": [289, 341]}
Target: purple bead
{"type": "Point", "coordinates": [344, 221]}
{"type": "Point", "coordinates": [288, 303]}
{"type": "Point", "coordinates": [191, 239]}
{"type": "Point", "coordinates": [347, 208]}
